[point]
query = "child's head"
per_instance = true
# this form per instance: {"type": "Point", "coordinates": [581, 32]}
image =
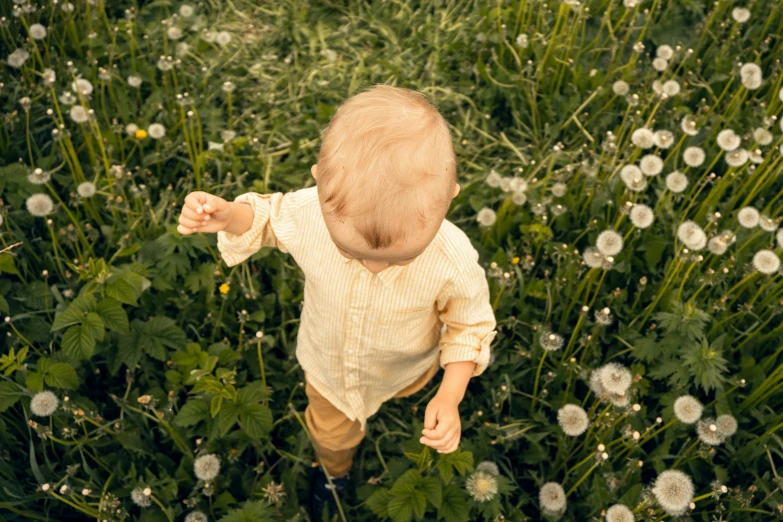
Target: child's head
{"type": "Point", "coordinates": [386, 175]}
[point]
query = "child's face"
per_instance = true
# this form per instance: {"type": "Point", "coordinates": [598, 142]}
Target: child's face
{"type": "Point", "coordinates": [353, 247]}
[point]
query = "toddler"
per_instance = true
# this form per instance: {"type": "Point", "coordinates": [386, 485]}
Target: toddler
{"type": "Point", "coordinates": [393, 291]}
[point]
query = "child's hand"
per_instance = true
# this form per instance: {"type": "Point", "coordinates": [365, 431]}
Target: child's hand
{"type": "Point", "coordinates": [445, 436]}
{"type": "Point", "coordinates": [204, 212]}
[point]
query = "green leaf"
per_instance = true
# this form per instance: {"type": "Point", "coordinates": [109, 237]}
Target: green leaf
{"type": "Point", "coordinates": [94, 322]}
{"type": "Point", "coordinates": [432, 490]}
{"type": "Point", "coordinates": [401, 508]}
{"type": "Point", "coordinates": [454, 506]}
{"type": "Point", "coordinates": [61, 375]}
{"type": "Point", "coordinates": [9, 395]}
{"type": "Point", "coordinates": [252, 393]}
{"type": "Point", "coordinates": [192, 412]}
{"type": "Point", "coordinates": [251, 511]}
{"type": "Point", "coordinates": [35, 381]}
{"type": "Point", "coordinates": [78, 342]}
{"type": "Point", "coordinates": [114, 316]}
{"type": "Point", "coordinates": [161, 332]}
{"type": "Point", "coordinates": [459, 460]}
{"type": "Point", "coordinates": [229, 412]}
{"type": "Point", "coordinates": [75, 312]}
{"type": "Point", "coordinates": [256, 420]}
{"type": "Point", "coordinates": [7, 264]}
{"type": "Point", "coordinates": [379, 502]}
{"type": "Point", "coordinates": [121, 290]}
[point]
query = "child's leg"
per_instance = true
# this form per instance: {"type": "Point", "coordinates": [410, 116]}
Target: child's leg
{"type": "Point", "coordinates": [335, 436]}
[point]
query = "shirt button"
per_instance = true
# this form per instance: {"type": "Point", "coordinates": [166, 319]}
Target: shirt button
{"type": "Point", "coordinates": [350, 351]}
{"type": "Point", "coordinates": [364, 275]}
{"type": "Point", "coordinates": [355, 318]}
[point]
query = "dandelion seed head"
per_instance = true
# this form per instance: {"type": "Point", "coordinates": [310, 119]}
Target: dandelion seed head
{"type": "Point", "coordinates": [196, 516]}
{"type": "Point", "coordinates": [751, 76]}
{"type": "Point", "coordinates": [593, 257]}
{"type": "Point", "coordinates": [643, 138]}
{"type": "Point", "coordinates": [642, 216]}
{"type": "Point", "coordinates": [139, 498]}
{"type": "Point", "coordinates": [620, 88]}
{"type": "Point", "coordinates": [727, 425]}
{"type": "Point", "coordinates": [619, 513]}
{"type": "Point", "coordinates": [692, 235]}
{"type": "Point", "coordinates": [486, 217]}
{"type": "Point", "coordinates": [671, 88]}
{"type": "Point", "coordinates": [707, 432]}
{"type": "Point", "coordinates": [489, 467]}
{"type": "Point", "coordinates": [766, 262]}
{"type": "Point", "coordinates": [779, 238]}
{"type": "Point", "coordinates": [223, 38]}
{"type": "Point", "coordinates": [39, 205]}
{"type": "Point", "coordinates": [82, 86]}
{"type": "Point", "coordinates": [688, 409]}
{"type": "Point", "coordinates": [595, 384]}
{"type": "Point", "coordinates": [186, 11]}
{"type": "Point", "coordinates": [762, 136]}
{"type": "Point", "coordinates": [559, 189]}
{"type": "Point", "coordinates": [572, 419]}
{"type": "Point", "coordinates": [728, 140]}
{"type": "Point", "coordinates": [663, 139]}
{"type": "Point", "coordinates": [493, 179]}
{"type": "Point", "coordinates": [17, 58]}
{"type": "Point", "coordinates": [482, 486]}
{"type": "Point", "coordinates": [44, 403]}
{"type": "Point", "coordinates": [609, 243]}
{"type": "Point", "coordinates": [748, 217]}
{"type": "Point", "coordinates": [37, 31]}
{"type": "Point", "coordinates": [86, 189]}
{"type": "Point", "coordinates": [651, 165]}
{"type": "Point", "coordinates": [550, 341]}
{"type": "Point", "coordinates": [134, 80]}
{"type": "Point", "coordinates": [79, 114]}
{"type": "Point", "coordinates": [38, 177]}
{"type": "Point", "coordinates": [156, 131]}
{"type": "Point", "coordinates": [740, 14]}
{"type": "Point", "coordinates": [174, 32]}
{"type": "Point", "coordinates": [676, 181]}
{"type": "Point", "coordinates": [206, 467]}
{"type": "Point", "coordinates": [737, 158]}
{"type": "Point", "coordinates": [519, 198]}
{"type": "Point", "coordinates": [674, 491]}
{"type": "Point", "coordinates": [659, 64]}
{"type": "Point", "coordinates": [664, 51]}
{"type": "Point", "coordinates": [694, 156]}
{"type": "Point", "coordinates": [633, 178]}
{"type": "Point", "coordinates": [755, 156]}
{"type": "Point", "coordinates": [688, 126]}
{"type": "Point", "coordinates": [615, 378]}
{"type": "Point", "coordinates": [552, 498]}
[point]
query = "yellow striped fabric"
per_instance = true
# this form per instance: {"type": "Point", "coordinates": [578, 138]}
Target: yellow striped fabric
{"type": "Point", "coordinates": [363, 337]}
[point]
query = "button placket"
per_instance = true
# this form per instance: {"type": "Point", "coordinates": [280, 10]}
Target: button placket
{"type": "Point", "coordinates": [359, 298]}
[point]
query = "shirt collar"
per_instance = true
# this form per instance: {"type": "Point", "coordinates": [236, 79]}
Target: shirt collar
{"type": "Point", "coordinates": [387, 275]}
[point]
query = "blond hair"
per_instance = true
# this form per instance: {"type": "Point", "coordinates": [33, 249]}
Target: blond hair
{"type": "Point", "coordinates": [387, 164]}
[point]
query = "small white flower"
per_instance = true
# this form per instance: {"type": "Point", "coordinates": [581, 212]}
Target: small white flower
{"type": "Point", "coordinates": [552, 498]}
{"type": "Point", "coordinates": [37, 31]}
{"type": "Point", "coordinates": [642, 216]}
{"type": "Point", "coordinates": [609, 243]}
{"type": "Point", "coordinates": [156, 131]}
{"type": "Point", "coordinates": [688, 409]}
{"type": "Point", "coordinates": [737, 158]}
{"type": "Point", "coordinates": [86, 189]}
{"type": "Point", "coordinates": [676, 181]}
{"type": "Point", "coordinates": [79, 114]}
{"type": "Point", "coordinates": [762, 136]}
{"type": "Point", "coordinates": [131, 129]}
{"type": "Point", "coordinates": [748, 217]}
{"type": "Point", "coordinates": [619, 513]}
{"type": "Point", "coordinates": [134, 80]}
{"type": "Point", "coordinates": [572, 419]}
{"type": "Point", "coordinates": [740, 14]}
{"type": "Point", "coordinates": [223, 38]}
{"type": "Point", "coordinates": [651, 165]}
{"type": "Point", "coordinates": [728, 140]}
{"type": "Point", "coordinates": [44, 403]}
{"type": "Point", "coordinates": [694, 156]}
{"type": "Point", "coordinates": [620, 88]}
{"type": "Point", "coordinates": [692, 235]}
{"type": "Point", "coordinates": [664, 139]}
{"type": "Point", "coordinates": [39, 205]}
{"type": "Point", "coordinates": [659, 64]}
{"type": "Point", "coordinates": [671, 88]}
{"type": "Point", "coordinates": [486, 217]}
{"type": "Point", "coordinates": [522, 41]}
{"type": "Point", "coordinates": [482, 486]}
{"type": "Point", "coordinates": [688, 126]}
{"type": "Point", "coordinates": [17, 58]}
{"type": "Point", "coordinates": [751, 76]}
{"type": "Point", "coordinates": [674, 491]}
{"type": "Point", "coordinates": [643, 138]}
{"type": "Point", "coordinates": [49, 77]}
{"type": "Point", "coordinates": [185, 11]}
{"type": "Point", "coordinates": [766, 262]}
{"type": "Point", "coordinates": [206, 467]}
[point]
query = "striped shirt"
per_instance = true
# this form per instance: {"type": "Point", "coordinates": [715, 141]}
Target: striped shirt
{"type": "Point", "coordinates": [363, 337]}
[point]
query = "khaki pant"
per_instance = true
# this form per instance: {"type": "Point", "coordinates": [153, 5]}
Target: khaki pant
{"type": "Point", "coordinates": [335, 436]}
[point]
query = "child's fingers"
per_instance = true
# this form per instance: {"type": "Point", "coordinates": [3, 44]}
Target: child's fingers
{"type": "Point", "coordinates": [190, 223]}
{"type": "Point", "coordinates": [182, 229]}
{"type": "Point", "coordinates": [195, 200]}
{"type": "Point", "coordinates": [191, 214]}
{"type": "Point", "coordinates": [214, 204]}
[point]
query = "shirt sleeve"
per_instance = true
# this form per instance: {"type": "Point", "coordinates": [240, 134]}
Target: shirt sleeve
{"type": "Point", "coordinates": [274, 225]}
{"type": "Point", "coordinates": [464, 307]}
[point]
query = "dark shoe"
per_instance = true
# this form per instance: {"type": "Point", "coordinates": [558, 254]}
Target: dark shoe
{"type": "Point", "coordinates": [321, 496]}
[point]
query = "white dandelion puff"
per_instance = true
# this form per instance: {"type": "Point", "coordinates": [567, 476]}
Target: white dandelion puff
{"type": "Point", "coordinates": [688, 409]}
{"type": "Point", "coordinates": [223, 38]}
{"type": "Point", "coordinates": [17, 58]}
{"type": "Point", "coordinates": [79, 114]}
{"type": "Point", "coordinates": [615, 378]}
{"type": "Point", "coordinates": [659, 64]}
{"type": "Point", "coordinates": [552, 498]}
{"type": "Point", "coordinates": [620, 88]}
{"type": "Point", "coordinates": [196, 516]}
{"type": "Point", "coordinates": [642, 216]}
{"type": "Point", "coordinates": [603, 317]}
{"type": "Point", "coordinates": [44, 403]}
{"type": "Point", "coordinates": [664, 51]}
{"type": "Point", "coordinates": [762, 136]}
{"type": "Point", "coordinates": [720, 243]}
{"type": "Point", "coordinates": [37, 31]}
{"type": "Point", "coordinates": [186, 11]}
{"type": "Point", "coordinates": [559, 189]}
{"type": "Point", "coordinates": [748, 217]}
{"type": "Point", "coordinates": [39, 205]}
{"type": "Point", "coordinates": [676, 181]}
{"type": "Point", "coordinates": [38, 177]}
{"type": "Point", "coordinates": [651, 165]}
{"type": "Point", "coordinates": [174, 32]}
{"type": "Point", "coordinates": [633, 178]}
{"type": "Point", "coordinates": [708, 433]}
{"type": "Point", "coordinates": [572, 419]}
{"type": "Point", "coordinates": [86, 189]}
{"type": "Point", "coordinates": [49, 76]}
{"type": "Point", "coordinates": [694, 156]}
{"type": "Point", "coordinates": [519, 198]}
{"type": "Point", "coordinates": [643, 138]}
{"type": "Point", "coordinates": [766, 262]}
{"type": "Point", "coordinates": [593, 258]}
{"type": "Point", "coordinates": [131, 129]}
{"type": "Point", "coordinates": [482, 486]}
{"type": "Point", "coordinates": [140, 498]}
{"type": "Point", "coordinates": [134, 80]}
{"type": "Point", "coordinates": [206, 467]}
{"type": "Point", "coordinates": [609, 243]}
{"type": "Point", "coordinates": [688, 126]}
{"type": "Point", "coordinates": [486, 217]}
{"type": "Point", "coordinates": [82, 86]}
{"type": "Point", "coordinates": [619, 513]}
{"type": "Point", "coordinates": [751, 76]}
{"type": "Point", "coordinates": [516, 184]}
{"type": "Point", "coordinates": [493, 179]}
{"type": "Point", "coordinates": [737, 158]}
{"type": "Point", "coordinates": [779, 238]}
{"type": "Point", "coordinates": [755, 156]}
{"type": "Point", "coordinates": [740, 14]}
{"type": "Point", "coordinates": [671, 88]}
{"type": "Point", "coordinates": [674, 491]}
{"type": "Point", "coordinates": [727, 425]}
{"type": "Point", "coordinates": [663, 139]}
{"type": "Point", "coordinates": [657, 87]}
{"type": "Point", "coordinates": [156, 131]}
{"type": "Point", "coordinates": [489, 467]}
{"type": "Point", "coordinates": [550, 341]}
{"type": "Point", "coordinates": [768, 224]}
{"type": "Point", "coordinates": [728, 140]}
{"type": "Point", "coordinates": [522, 41]}
{"type": "Point", "coordinates": [692, 235]}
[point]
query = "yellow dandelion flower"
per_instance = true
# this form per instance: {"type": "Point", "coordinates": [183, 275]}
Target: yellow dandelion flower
{"type": "Point", "coordinates": [224, 288]}
{"type": "Point", "coordinates": [141, 134]}
{"type": "Point", "coordinates": [514, 260]}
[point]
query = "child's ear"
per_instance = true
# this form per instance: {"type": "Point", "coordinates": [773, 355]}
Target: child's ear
{"type": "Point", "coordinates": [314, 170]}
